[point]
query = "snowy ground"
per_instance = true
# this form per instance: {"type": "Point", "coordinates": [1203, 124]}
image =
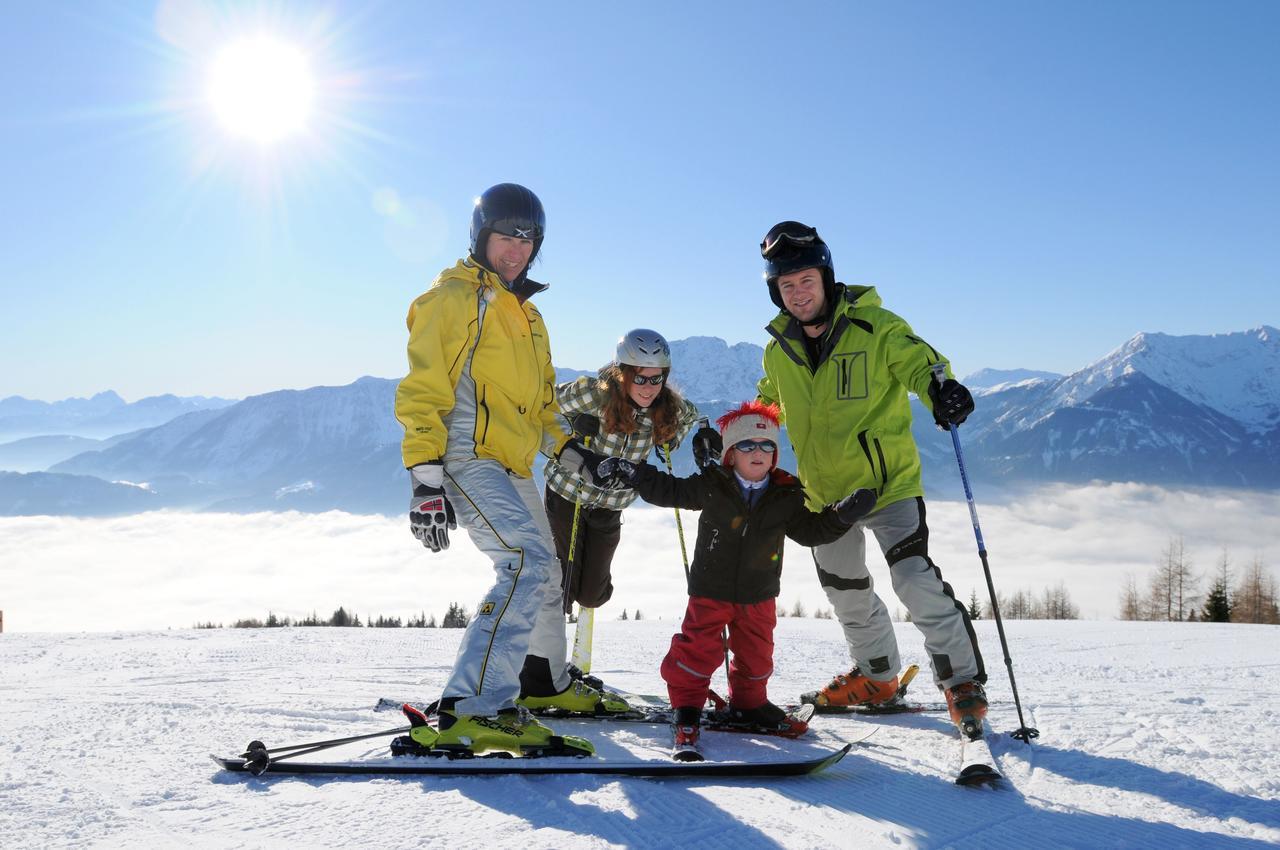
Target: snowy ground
{"type": "Point", "coordinates": [1152, 735]}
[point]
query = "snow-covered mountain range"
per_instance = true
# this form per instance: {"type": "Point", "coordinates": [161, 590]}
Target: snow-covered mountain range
{"type": "Point", "coordinates": [1159, 409]}
{"type": "Point", "coordinates": [1189, 410]}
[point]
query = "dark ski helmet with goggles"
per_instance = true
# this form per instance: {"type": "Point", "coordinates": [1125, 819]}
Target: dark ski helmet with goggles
{"type": "Point", "coordinates": [509, 209]}
{"type": "Point", "coordinates": [790, 246]}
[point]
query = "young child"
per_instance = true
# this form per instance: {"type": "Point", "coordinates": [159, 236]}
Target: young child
{"type": "Point", "coordinates": [748, 506]}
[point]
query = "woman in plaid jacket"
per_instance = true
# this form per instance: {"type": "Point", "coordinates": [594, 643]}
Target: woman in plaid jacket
{"type": "Point", "coordinates": [626, 411]}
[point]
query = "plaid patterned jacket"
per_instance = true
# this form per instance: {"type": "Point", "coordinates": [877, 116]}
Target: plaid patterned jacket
{"type": "Point", "coordinates": [581, 395]}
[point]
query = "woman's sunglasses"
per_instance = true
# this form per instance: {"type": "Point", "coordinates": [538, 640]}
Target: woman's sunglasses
{"type": "Point", "coordinates": [748, 446]}
{"type": "Point", "coordinates": [641, 380]}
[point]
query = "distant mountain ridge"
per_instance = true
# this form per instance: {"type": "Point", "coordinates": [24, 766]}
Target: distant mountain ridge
{"type": "Point", "coordinates": [736, 370]}
{"type": "Point", "coordinates": [104, 415]}
{"type": "Point", "coordinates": [1191, 410]}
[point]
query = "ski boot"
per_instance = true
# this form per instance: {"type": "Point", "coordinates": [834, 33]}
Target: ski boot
{"type": "Point", "coordinates": [513, 730]}
{"type": "Point", "coordinates": [685, 731]}
{"type": "Point", "coordinates": [577, 700]}
{"type": "Point", "coordinates": [587, 679]}
{"type": "Point", "coordinates": [967, 702]}
{"type": "Point", "coordinates": [853, 688]}
{"type": "Point", "coordinates": [766, 718]}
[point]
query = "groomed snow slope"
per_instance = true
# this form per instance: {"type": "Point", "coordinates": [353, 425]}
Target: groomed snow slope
{"type": "Point", "coordinates": [1152, 735]}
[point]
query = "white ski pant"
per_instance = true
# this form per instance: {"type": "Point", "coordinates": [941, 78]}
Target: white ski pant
{"type": "Point", "coordinates": [903, 536]}
{"type": "Point", "coordinates": [522, 613]}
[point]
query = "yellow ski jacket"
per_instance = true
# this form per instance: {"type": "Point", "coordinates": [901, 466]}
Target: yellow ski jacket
{"type": "Point", "coordinates": [480, 374]}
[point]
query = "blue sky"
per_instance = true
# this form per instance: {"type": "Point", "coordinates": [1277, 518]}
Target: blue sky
{"type": "Point", "coordinates": [1029, 184]}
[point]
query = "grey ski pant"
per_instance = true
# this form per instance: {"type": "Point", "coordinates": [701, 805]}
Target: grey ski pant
{"type": "Point", "coordinates": [521, 614]}
{"type": "Point", "coordinates": [903, 536]}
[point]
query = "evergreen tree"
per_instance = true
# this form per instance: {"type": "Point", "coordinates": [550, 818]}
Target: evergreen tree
{"type": "Point", "coordinates": [456, 617]}
{"type": "Point", "coordinates": [975, 609]}
{"type": "Point", "coordinates": [638, 615]}
{"type": "Point", "coordinates": [1217, 605]}
{"type": "Point", "coordinates": [624, 614]}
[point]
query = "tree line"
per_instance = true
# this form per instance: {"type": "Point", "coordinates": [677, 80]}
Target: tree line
{"type": "Point", "coordinates": [456, 617]}
{"type": "Point", "coordinates": [1175, 592]}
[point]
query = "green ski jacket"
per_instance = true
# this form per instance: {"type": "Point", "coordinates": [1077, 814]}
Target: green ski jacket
{"type": "Point", "coordinates": [848, 416]}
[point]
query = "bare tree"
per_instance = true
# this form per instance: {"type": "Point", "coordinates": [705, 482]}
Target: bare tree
{"type": "Point", "coordinates": [1131, 605]}
{"type": "Point", "coordinates": [1023, 605]}
{"type": "Point", "coordinates": [1173, 584]}
{"type": "Point", "coordinates": [1184, 584]}
{"type": "Point", "coordinates": [1255, 596]}
{"type": "Point", "coordinates": [1057, 604]}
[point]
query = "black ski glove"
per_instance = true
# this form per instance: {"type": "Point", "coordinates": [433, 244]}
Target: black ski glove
{"type": "Point", "coordinates": [580, 461]}
{"type": "Point", "coordinates": [952, 403]}
{"type": "Point", "coordinates": [616, 470]}
{"type": "Point", "coordinates": [707, 446]}
{"type": "Point", "coordinates": [855, 506]}
{"type": "Point", "coordinates": [585, 425]}
{"type": "Point", "coordinates": [430, 514]}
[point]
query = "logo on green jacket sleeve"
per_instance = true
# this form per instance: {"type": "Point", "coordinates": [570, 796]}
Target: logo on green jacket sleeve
{"type": "Point", "coordinates": [851, 375]}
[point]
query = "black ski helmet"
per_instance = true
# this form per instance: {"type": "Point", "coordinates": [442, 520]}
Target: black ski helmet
{"type": "Point", "coordinates": [790, 246]}
{"type": "Point", "coordinates": [509, 209]}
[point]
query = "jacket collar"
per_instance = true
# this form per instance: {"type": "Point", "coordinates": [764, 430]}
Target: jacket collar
{"type": "Point", "coordinates": [523, 288]}
{"type": "Point", "coordinates": [789, 333]}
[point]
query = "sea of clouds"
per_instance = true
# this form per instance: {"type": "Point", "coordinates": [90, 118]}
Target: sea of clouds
{"type": "Point", "coordinates": [171, 570]}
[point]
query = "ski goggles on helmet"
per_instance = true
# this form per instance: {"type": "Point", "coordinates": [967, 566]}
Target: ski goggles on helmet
{"type": "Point", "coordinates": [749, 446]}
{"type": "Point", "coordinates": [520, 228]}
{"type": "Point", "coordinates": [655, 380]}
{"type": "Point", "coordinates": [788, 236]}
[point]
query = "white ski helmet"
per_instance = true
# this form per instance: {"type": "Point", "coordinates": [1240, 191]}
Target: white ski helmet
{"type": "Point", "coordinates": [644, 348]}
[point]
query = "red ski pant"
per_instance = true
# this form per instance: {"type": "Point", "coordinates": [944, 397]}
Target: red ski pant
{"type": "Point", "coordinates": [697, 652]}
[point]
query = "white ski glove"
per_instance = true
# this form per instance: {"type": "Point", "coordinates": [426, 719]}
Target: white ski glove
{"type": "Point", "coordinates": [430, 514]}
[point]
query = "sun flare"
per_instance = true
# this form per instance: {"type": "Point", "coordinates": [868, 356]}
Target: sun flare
{"type": "Point", "coordinates": [261, 89]}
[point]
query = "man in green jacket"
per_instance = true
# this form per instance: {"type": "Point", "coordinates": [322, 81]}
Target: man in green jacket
{"type": "Point", "coordinates": [840, 367]}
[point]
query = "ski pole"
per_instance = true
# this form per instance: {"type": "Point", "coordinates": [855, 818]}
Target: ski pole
{"type": "Point", "coordinates": [257, 757]}
{"type": "Point", "coordinates": [1025, 732]}
{"type": "Point", "coordinates": [573, 535]}
{"type": "Point", "coordinates": [684, 554]}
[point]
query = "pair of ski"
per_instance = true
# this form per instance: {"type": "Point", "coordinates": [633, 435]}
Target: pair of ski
{"type": "Point", "coordinates": [977, 767]}
{"type": "Point", "coordinates": [506, 765]}
{"type": "Point", "coordinates": [257, 759]}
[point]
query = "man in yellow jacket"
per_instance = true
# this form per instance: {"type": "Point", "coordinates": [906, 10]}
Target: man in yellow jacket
{"type": "Point", "coordinates": [477, 406]}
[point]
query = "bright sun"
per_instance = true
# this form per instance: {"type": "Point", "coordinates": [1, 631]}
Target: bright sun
{"type": "Point", "coordinates": [261, 89]}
